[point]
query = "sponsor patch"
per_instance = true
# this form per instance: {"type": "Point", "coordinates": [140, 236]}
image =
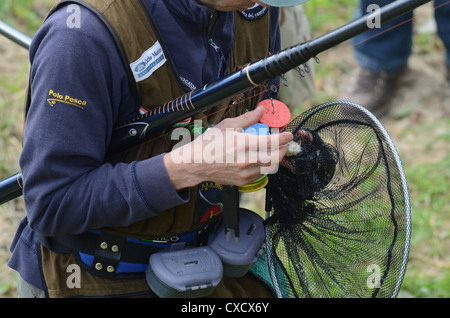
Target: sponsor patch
{"type": "Point", "coordinates": [150, 61]}
{"type": "Point", "coordinates": [55, 97]}
{"type": "Point", "coordinates": [254, 12]}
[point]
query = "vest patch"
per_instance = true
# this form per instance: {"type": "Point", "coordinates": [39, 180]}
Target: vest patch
{"type": "Point", "coordinates": [150, 61]}
{"type": "Point", "coordinates": [254, 12]}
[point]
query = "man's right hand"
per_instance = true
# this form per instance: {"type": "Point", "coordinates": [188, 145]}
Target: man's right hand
{"type": "Point", "coordinates": [226, 155]}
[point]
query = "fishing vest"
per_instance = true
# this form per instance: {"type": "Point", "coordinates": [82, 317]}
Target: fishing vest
{"type": "Point", "coordinates": [134, 31]}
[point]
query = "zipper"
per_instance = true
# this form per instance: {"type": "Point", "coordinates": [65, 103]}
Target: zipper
{"type": "Point", "coordinates": [214, 45]}
{"type": "Point", "coordinates": [217, 63]}
{"type": "Point", "coordinates": [211, 21]}
{"type": "Point", "coordinates": [212, 14]}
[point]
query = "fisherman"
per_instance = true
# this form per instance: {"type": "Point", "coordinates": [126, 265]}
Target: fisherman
{"type": "Point", "coordinates": [94, 65]}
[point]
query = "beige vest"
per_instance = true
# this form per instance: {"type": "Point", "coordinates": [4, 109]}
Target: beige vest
{"type": "Point", "coordinates": [131, 25]}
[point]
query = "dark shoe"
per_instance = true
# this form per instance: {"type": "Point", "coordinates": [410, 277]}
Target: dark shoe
{"type": "Point", "coordinates": [373, 90]}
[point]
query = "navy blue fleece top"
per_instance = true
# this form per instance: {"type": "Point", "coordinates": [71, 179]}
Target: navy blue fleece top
{"type": "Point", "coordinates": [79, 91]}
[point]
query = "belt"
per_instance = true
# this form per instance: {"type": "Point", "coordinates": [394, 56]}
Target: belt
{"type": "Point", "coordinates": [111, 255]}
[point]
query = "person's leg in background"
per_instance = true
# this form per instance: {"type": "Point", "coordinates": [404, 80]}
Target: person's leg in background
{"type": "Point", "coordinates": [382, 54]}
{"type": "Point", "coordinates": [442, 16]}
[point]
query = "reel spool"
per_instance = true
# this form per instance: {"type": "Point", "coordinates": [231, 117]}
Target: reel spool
{"type": "Point", "coordinates": [275, 119]}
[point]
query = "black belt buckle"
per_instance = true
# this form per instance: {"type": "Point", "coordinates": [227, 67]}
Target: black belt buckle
{"type": "Point", "coordinates": [108, 252]}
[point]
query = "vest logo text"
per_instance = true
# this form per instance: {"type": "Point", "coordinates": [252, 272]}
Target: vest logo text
{"type": "Point", "coordinates": [150, 61]}
{"type": "Point", "coordinates": [55, 97]}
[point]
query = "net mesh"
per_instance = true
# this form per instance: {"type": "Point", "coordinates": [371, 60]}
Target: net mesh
{"type": "Point", "coordinates": [340, 218]}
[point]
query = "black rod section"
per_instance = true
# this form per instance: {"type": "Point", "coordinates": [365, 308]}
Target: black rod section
{"type": "Point", "coordinates": [10, 188]}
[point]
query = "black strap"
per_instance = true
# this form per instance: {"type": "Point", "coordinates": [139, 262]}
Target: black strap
{"type": "Point", "coordinates": [107, 246]}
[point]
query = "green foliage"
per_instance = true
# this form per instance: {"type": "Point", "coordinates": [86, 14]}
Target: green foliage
{"type": "Point", "coordinates": [25, 15]}
{"type": "Point", "coordinates": [428, 274]}
{"type": "Point", "coordinates": [327, 15]}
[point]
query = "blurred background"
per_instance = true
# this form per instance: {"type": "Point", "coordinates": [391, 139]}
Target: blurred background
{"type": "Point", "coordinates": [419, 125]}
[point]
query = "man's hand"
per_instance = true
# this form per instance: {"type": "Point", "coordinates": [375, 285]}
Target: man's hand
{"type": "Point", "coordinates": [226, 155]}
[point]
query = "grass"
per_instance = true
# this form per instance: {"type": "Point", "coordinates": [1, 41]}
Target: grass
{"type": "Point", "coordinates": [428, 272]}
{"type": "Point", "coordinates": [327, 15]}
{"type": "Point", "coordinates": [26, 16]}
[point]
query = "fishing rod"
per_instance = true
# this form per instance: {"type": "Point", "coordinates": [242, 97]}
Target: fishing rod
{"type": "Point", "coordinates": [11, 188]}
{"type": "Point", "coordinates": [15, 35]}
{"type": "Point", "coordinates": [255, 74]}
